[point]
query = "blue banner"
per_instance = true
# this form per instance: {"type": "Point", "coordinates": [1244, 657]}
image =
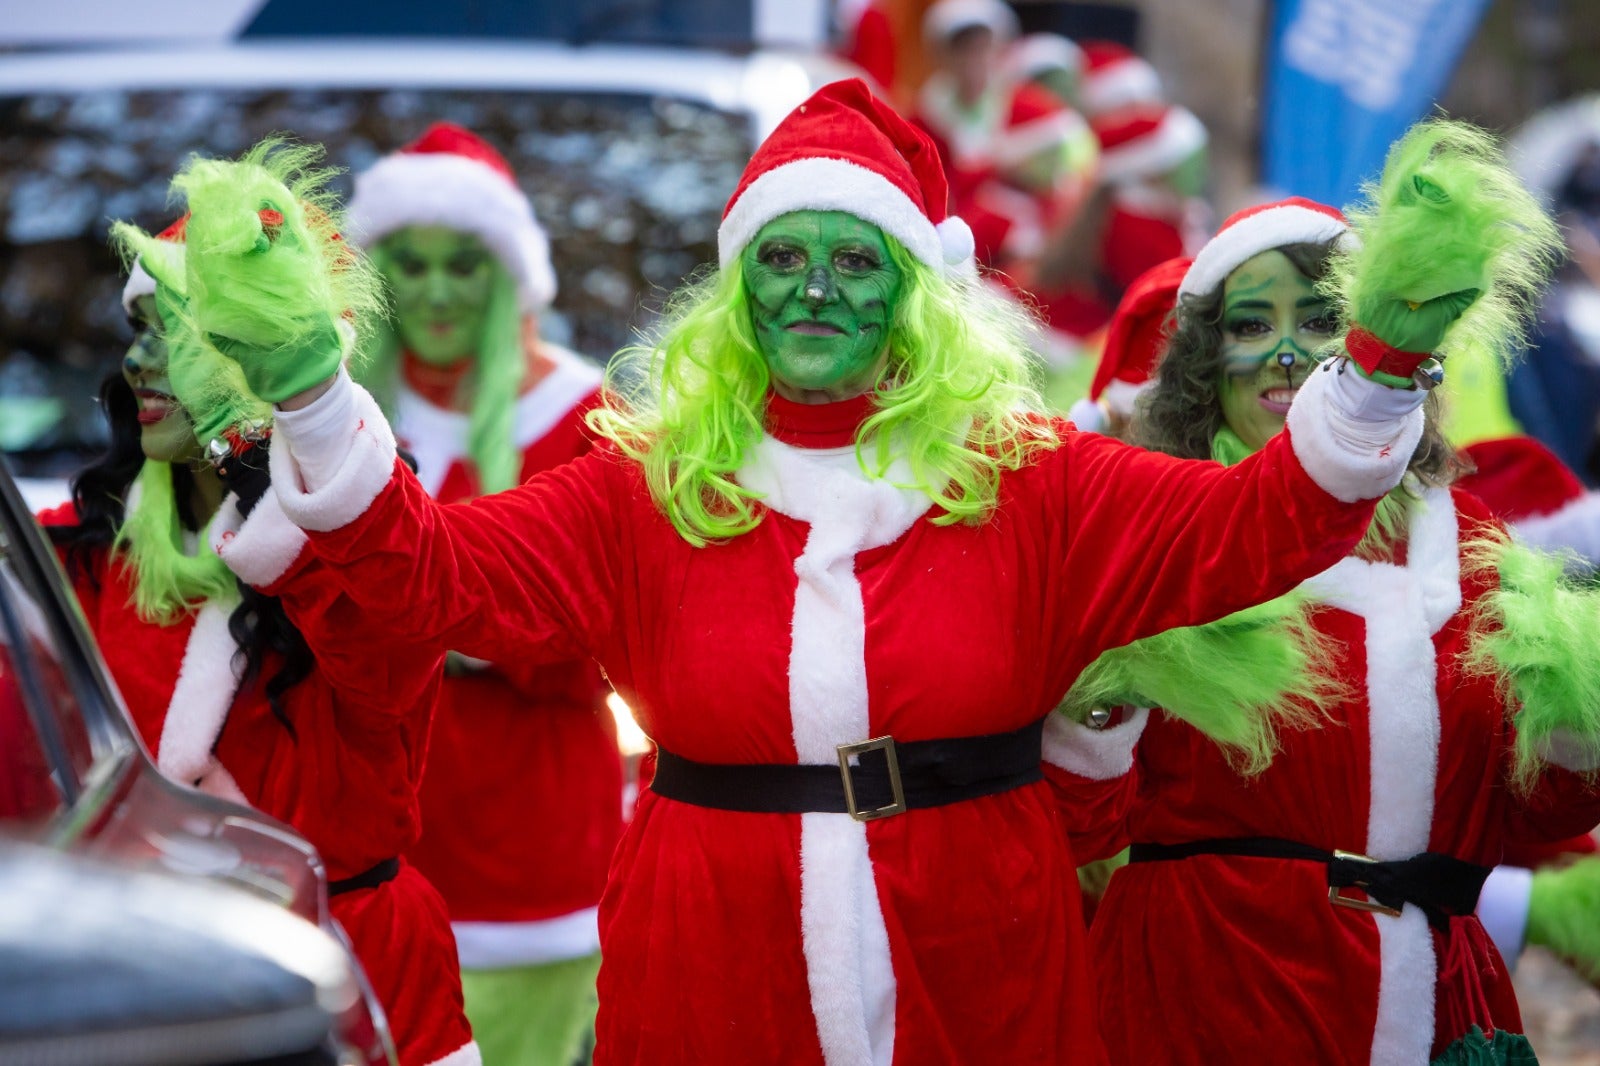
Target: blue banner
{"type": "Point", "coordinates": [1345, 78]}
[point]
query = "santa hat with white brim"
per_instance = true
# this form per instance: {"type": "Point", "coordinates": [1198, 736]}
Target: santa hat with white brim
{"type": "Point", "coordinates": [846, 150]}
{"type": "Point", "coordinates": [1135, 341]}
{"type": "Point", "coordinates": [1115, 77]}
{"type": "Point", "coordinates": [1036, 121]}
{"type": "Point", "coordinates": [1040, 52]}
{"type": "Point", "coordinates": [947, 18]}
{"type": "Point", "coordinates": [1146, 141]}
{"type": "Point", "coordinates": [1248, 233]}
{"type": "Point", "coordinates": [451, 177]}
{"type": "Point", "coordinates": [139, 282]}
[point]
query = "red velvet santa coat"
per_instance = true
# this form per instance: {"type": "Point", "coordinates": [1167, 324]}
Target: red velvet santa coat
{"type": "Point", "coordinates": [1221, 958]}
{"type": "Point", "coordinates": [944, 935]}
{"type": "Point", "coordinates": [522, 799]}
{"type": "Point", "coordinates": [346, 779]}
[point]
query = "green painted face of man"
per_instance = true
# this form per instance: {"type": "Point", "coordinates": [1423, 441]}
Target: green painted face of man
{"type": "Point", "coordinates": [442, 280]}
{"type": "Point", "coordinates": [822, 290]}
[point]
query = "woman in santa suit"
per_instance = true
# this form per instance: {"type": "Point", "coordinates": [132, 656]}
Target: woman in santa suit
{"type": "Point", "coordinates": [228, 684]}
{"type": "Point", "coordinates": [1242, 885]}
{"type": "Point", "coordinates": [842, 570]}
{"type": "Point", "coordinates": [522, 800]}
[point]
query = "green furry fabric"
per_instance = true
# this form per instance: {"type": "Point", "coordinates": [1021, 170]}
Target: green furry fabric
{"type": "Point", "coordinates": [1564, 914]}
{"type": "Point", "coordinates": [1447, 219]}
{"type": "Point", "coordinates": [1238, 680]}
{"type": "Point", "coordinates": [279, 298]}
{"type": "Point", "coordinates": [167, 580]}
{"type": "Point", "coordinates": [1536, 633]}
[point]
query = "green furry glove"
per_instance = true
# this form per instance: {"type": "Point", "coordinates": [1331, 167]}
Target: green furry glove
{"type": "Point", "coordinates": [1564, 914]}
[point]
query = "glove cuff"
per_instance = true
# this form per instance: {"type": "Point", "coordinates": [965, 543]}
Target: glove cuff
{"type": "Point", "coordinates": [1374, 355]}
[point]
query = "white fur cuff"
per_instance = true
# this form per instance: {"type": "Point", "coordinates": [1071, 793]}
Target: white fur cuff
{"type": "Point", "coordinates": [1570, 751]}
{"type": "Point", "coordinates": [330, 460]}
{"type": "Point", "coordinates": [261, 548]}
{"type": "Point", "coordinates": [1353, 436]}
{"type": "Point", "coordinates": [1097, 754]}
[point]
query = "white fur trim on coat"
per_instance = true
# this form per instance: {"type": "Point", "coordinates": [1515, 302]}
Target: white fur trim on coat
{"type": "Point", "coordinates": [1097, 754]}
{"type": "Point", "coordinates": [260, 549]}
{"type": "Point", "coordinates": [824, 184]}
{"type": "Point", "coordinates": [332, 458]}
{"type": "Point", "coordinates": [439, 189]}
{"type": "Point", "coordinates": [1575, 527]}
{"type": "Point", "coordinates": [496, 945]}
{"type": "Point", "coordinates": [465, 1055]}
{"type": "Point", "coordinates": [208, 678]}
{"type": "Point", "coordinates": [844, 939]}
{"type": "Point", "coordinates": [1354, 436]}
{"type": "Point", "coordinates": [1403, 607]}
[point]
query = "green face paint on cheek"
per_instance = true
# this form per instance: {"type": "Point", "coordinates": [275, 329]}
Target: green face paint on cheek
{"type": "Point", "coordinates": [441, 280]}
{"type": "Point", "coordinates": [822, 290]}
{"type": "Point", "coordinates": [165, 432]}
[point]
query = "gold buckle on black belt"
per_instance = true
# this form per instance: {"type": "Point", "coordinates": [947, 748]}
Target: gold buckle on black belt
{"type": "Point", "coordinates": [1339, 899]}
{"type": "Point", "coordinates": [897, 791]}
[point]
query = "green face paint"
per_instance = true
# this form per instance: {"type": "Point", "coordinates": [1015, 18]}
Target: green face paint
{"type": "Point", "coordinates": [165, 431]}
{"type": "Point", "coordinates": [442, 280]}
{"type": "Point", "coordinates": [1272, 323]}
{"type": "Point", "coordinates": [822, 296]}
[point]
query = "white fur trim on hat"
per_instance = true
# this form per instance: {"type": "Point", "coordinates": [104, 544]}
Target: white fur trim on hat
{"type": "Point", "coordinates": [1120, 396]}
{"type": "Point", "coordinates": [439, 189]}
{"type": "Point", "coordinates": [1039, 52]}
{"type": "Point", "coordinates": [1179, 135]}
{"type": "Point", "coordinates": [1018, 145]}
{"type": "Point", "coordinates": [1088, 416]}
{"type": "Point", "coordinates": [1249, 237]}
{"type": "Point", "coordinates": [139, 283]}
{"type": "Point", "coordinates": [947, 18]}
{"type": "Point", "coordinates": [1129, 81]}
{"type": "Point", "coordinates": [824, 184]}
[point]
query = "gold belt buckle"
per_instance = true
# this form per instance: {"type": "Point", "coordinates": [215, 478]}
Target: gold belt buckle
{"type": "Point", "coordinates": [1368, 905]}
{"type": "Point", "coordinates": [886, 745]}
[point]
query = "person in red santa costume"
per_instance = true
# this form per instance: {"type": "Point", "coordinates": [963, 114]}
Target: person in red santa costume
{"type": "Point", "coordinates": [229, 679]}
{"type": "Point", "coordinates": [1327, 901]}
{"type": "Point", "coordinates": [522, 800]}
{"type": "Point", "coordinates": [963, 104]}
{"type": "Point", "coordinates": [842, 569]}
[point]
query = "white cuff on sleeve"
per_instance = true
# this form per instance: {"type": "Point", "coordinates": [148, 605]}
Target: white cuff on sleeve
{"type": "Point", "coordinates": [1570, 751]}
{"type": "Point", "coordinates": [1354, 436]}
{"type": "Point", "coordinates": [1097, 754]}
{"type": "Point", "coordinates": [1503, 910]}
{"type": "Point", "coordinates": [259, 549]}
{"type": "Point", "coordinates": [332, 458]}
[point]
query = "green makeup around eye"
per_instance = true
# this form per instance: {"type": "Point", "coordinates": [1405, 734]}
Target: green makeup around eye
{"type": "Point", "coordinates": [442, 281]}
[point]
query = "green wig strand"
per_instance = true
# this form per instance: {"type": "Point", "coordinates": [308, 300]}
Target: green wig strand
{"type": "Point", "coordinates": [1448, 214]}
{"type": "Point", "coordinates": [1238, 680]}
{"type": "Point", "coordinates": [956, 402]}
{"type": "Point", "coordinates": [495, 381]}
{"type": "Point", "coordinates": [1535, 633]}
{"type": "Point", "coordinates": [167, 582]}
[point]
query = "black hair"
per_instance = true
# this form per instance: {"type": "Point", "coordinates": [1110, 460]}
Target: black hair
{"type": "Point", "coordinates": [259, 624]}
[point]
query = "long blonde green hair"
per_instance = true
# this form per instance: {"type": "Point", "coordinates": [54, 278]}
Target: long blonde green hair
{"type": "Point", "coordinates": [956, 400]}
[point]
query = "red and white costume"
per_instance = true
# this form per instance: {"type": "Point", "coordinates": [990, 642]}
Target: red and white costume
{"type": "Point", "coordinates": [1219, 956]}
{"type": "Point", "coordinates": [346, 778]}
{"type": "Point", "coordinates": [1529, 488]}
{"type": "Point", "coordinates": [949, 934]}
{"type": "Point", "coordinates": [522, 801]}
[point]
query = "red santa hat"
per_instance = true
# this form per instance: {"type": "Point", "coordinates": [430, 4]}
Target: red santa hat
{"type": "Point", "coordinates": [1248, 233]}
{"type": "Point", "coordinates": [846, 150]}
{"type": "Point", "coordinates": [1146, 140]}
{"type": "Point", "coordinates": [1039, 52]}
{"type": "Point", "coordinates": [1036, 121]}
{"type": "Point", "coordinates": [452, 177]}
{"type": "Point", "coordinates": [1135, 340]}
{"type": "Point", "coordinates": [139, 282]}
{"type": "Point", "coordinates": [1116, 77]}
{"type": "Point", "coordinates": [947, 18]}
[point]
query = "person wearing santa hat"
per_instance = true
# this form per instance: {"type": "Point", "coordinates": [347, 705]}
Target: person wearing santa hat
{"type": "Point", "coordinates": [190, 578]}
{"type": "Point", "coordinates": [521, 803]}
{"type": "Point", "coordinates": [1050, 61]}
{"type": "Point", "coordinates": [1325, 905]}
{"type": "Point", "coordinates": [842, 568]}
{"type": "Point", "coordinates": [1116, 77]}
{"type": "Point", "coordinates": [963, 104]}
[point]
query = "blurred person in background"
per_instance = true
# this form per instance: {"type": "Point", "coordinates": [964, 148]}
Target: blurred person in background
{"type": "Point", "coordinates": [1051, 62]}
{"type": "Point", "coordinates": [1135, 341]}
{"type": "Point", "coordinates": [237, 689]}
{"type": "Point", "coordinates": [1115, 77]}
{"type": "Point", "coordinates": [521, 802]}
{"type": "Point", "coordinates": [963, 105]}
{"type": "Point", "coordinates": [840, 389]}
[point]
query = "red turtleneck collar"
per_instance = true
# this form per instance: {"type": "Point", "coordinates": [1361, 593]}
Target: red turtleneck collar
{"type": "Point", "coordinates": [439, 385]}
{"type": "Point", "coordinates": [817, 425]}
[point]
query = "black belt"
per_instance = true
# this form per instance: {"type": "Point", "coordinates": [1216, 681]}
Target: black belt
{"type": "Point", "coordinates": [372, 877]}
{"type": "Point", "coordinates": [1441, 886]}
{"type": "Point", "coordinates": [886, 777]}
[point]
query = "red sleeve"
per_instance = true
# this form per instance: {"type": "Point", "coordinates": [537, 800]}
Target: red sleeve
{"type": "Point", "coordinates": [1155, 542]}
